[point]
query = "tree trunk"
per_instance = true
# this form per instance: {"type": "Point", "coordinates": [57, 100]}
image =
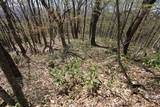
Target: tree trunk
{"type": "Point", "coordinates": [95, 16]}
{"type": "Point", "coordinates": [10, 19]}
{"type": "Point", "coordinates": [6, 97]}
{"type": "Point", "coordinates": [119, 35]}
{"type": "Point", "coordinates": [74, 21]}
{"type": "Point", "coordinates": [9, 68]}
{"type": "Point", "coordinates": [146, 6]}
{"type": "Point", "coordinates": [58, 20]}
{"type": "Point", "coordinates": [85, 16]}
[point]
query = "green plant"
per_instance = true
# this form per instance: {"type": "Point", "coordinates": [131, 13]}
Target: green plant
{"type": "Point", "coordinates": [71, 76]}
{"type": "Point", "coordinates": [110, 82]}
{"type": "Point", "coordinates": [74, 68]}
{"type": "Point", "coordinates": [58, 75]}
{"type": "Point", "coordinates": [109, 66]}
{"type": "Point", "coordinates": [92, 81]}
{"type": "Point", "coordinates": [67, 76]}
{"type": "Point", "coordinates": [153, 62]}
{"type": "Point", "coordinates": [125, 57]}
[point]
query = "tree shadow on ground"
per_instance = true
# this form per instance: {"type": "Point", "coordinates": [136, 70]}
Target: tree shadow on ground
{"type": "Point", "coordinates": [106, 47]}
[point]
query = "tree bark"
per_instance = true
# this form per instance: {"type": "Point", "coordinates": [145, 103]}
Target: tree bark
{"type": "Point", "coordinates": [93, 25]}
{"type": "Point", "coordinates": [6, 97]}
{"type": "Point", "coordinates": [9, 68]}
{"type": "Point", "coordinates": [11, 21]}
{"type": "Point", "coordinates": [85, 16]}
{"type": "Point", "coordinates": [119, 35]}
{"type": "Point", "coordinates": [58, 20]}
{"type": "Point", "coordinates": [146, 6]}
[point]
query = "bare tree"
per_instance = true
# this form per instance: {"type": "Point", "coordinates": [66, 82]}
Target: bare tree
{"type": "Point", "coordinates": [146, 6]}
{"type": "Point", "coordinates": [93, 25]}
{"type": "Point", "coordinates": [11, 21]}
{"type": "Point", "coordinates": [85, 16]}
{"type": "Point", "coordinates": [58, 19]}
{"type": "Point", "coordinates": [119, 43]}
{"type": "Point", "coordinates": [77, 5]}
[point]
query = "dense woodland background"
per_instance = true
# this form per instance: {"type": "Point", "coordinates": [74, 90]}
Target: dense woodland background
{"type": "Point", "coordinates": [80, 53]}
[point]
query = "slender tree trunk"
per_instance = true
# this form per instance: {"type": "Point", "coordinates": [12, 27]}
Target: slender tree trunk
{"type": "Point", "coordinates": [93, 25]}
{"type": "Point", "coordinates": [58, 20]}
{"type": "Point", "coordinates": [61, 32]}
{"type": "Point", "coordinates": [119, 43]}
{"type": "Point", "coordinates": [41, 24]}
{"type": "Point", "coordinates": [74, 21]}
{"type": "Point", "coordinates": [85, 15]}
{"type": "Point", "coordinates": [31, 5]}
{"type": "Point", "coordinates": [28, 24]}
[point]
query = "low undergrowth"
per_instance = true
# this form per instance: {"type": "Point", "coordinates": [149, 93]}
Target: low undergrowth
{"type": "Point", "coordinates": [74, 76]}
{"type": "Point", "coordinates": [152, 62]}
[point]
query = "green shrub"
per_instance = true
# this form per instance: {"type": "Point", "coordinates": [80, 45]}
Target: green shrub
{"type": "Point", "coordinates": [153, 62]}
{"type": "Point", "coordinates": [67, 76]}
{"type": "Point", "coordinates": [70, 76]}
{"type": "Point", "coordinates": [92, 81]}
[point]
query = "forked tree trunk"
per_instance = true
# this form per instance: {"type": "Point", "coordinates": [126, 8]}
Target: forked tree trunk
{"type": "Point", "coordinates": [119, 35]}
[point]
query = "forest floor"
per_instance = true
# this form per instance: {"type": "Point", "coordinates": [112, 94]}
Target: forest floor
{"type": "Point", "coordinates": [92, 78]}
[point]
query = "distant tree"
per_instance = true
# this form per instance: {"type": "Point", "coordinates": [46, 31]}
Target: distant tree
{"type": "Point", "coordinates": [77, 5]}
{"type": "Point", "coordinates": [58, 18]}
{"type": "Point", "coordinates": [29, 25]}
{"type": "Point", "coordinates": [94, 19]}
{"type": "Point", "coordinates": [85, 16]}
